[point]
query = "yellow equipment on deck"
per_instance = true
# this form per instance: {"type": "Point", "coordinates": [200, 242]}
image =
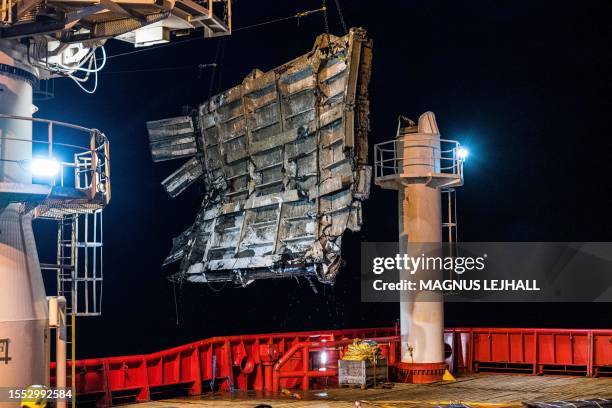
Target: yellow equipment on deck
{"type": "Point", "coordinates": [361, 350]}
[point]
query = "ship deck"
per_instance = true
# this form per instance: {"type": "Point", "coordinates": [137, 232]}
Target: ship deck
{"type": "Point", "coordinates": [491, 390]}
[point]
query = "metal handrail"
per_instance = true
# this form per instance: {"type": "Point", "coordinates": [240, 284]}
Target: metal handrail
{"type": "Point", "coordinates": [388, 161]}
{"type": "Point", "coordinates": [51, 124]}
{"type": "Point", "coordinates": [72, 146]}
{"type": "Point", "coordinates": [90, 159]}
{"type": "Point", "coordinates": [56, 122]}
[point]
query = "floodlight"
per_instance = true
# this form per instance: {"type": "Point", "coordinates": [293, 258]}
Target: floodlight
{"type": "Point", "coordinates": [462, 153]}
{"type": "Point", "coordinates": [323, 358]}
{"type": "Point", "coordinates": [44, 167]}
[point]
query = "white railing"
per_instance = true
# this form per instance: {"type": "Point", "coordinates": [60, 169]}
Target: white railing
{"type": "Point", "coordinates": [84, 180]}
{"type": "Point", "coordinates": [389, 160]}
{"type": "Point", "coordinates": [89, 170]}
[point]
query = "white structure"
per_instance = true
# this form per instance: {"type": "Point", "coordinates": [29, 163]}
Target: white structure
{"type": "Point", "coordinates": [71, 190]}
{"type": "Point", "coordinates": [40, 40]}
{"type": "Point", "coordinates": [23, 305]}
{"type": "Point", "coordinates": [420, 165]}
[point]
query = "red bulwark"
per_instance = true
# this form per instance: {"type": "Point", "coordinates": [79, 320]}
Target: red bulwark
{"type": "Point", "coordinates": [271, 362]}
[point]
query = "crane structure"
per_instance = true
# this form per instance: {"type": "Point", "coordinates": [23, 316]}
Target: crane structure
{"type": "Point", "coordinates": [61, 171]}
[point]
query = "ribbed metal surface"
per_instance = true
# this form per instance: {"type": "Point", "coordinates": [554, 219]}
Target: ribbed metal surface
{"type": "Point", "coordinates": [172, 138]}
{"type": "Point", "coordinates": [284, 165]}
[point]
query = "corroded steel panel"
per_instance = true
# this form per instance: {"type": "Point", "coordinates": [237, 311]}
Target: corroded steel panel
{"type": "Point", "coordinates": [283, 159]}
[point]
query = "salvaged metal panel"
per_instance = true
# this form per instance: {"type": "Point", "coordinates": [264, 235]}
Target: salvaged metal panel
{"type": "Point", "coordinates": [172, 138]}
{"type": "Point", "coordinates": [185, 176]}
{"type": "Point", "coordinates": [283, 161]}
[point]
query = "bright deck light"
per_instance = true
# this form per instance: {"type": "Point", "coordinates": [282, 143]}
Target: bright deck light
{"type": "Point", "coordinates": [462, 153]}
{"type": "Point", "coordinates": [44, 167]}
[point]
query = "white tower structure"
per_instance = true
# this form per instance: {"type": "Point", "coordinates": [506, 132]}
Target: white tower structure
{"type": "Point", "coordinates": [71, 185]}
{"type": "Point", "coordinates": [420, 166]}
{"type": "Point", "coordinates": [23, 304]}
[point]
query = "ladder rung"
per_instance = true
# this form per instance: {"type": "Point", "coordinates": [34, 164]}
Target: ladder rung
{"type": "Point", "coordinates": [89, 245]}
{"type": "Point", "coordinates": [56, 266]}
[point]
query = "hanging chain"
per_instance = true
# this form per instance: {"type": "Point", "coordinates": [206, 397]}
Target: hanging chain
{"type": "Point", "coordinates": [213, 74]}
{"type": "Point", "coordinates": [341, 16]}
{"type": "Point", "coordinates": [221, 58]}
{"type": "Point", "coordinates": [325, 19]}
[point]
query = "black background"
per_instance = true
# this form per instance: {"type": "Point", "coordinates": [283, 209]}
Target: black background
{"type": "Point", "coordinates": [525, 84]}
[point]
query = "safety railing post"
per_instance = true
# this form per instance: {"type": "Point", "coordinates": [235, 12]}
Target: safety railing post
{"type": "Point", "coordinates": [590, 354]}
{"type": "Point", "coordinates": [94, 163]}
{"type": "Point", "coordinates": [50, 139]}
{"type": "Point", "coordinates": [107, 171]}
{"type": "Point", "coordinates": [305, 367]}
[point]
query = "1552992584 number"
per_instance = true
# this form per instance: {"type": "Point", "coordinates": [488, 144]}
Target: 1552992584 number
{"type": "Point", "coordinates": [37, 395]}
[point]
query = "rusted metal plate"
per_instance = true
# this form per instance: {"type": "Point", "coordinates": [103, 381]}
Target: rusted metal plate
{"type": "Point", "coordinates": [283, 161]}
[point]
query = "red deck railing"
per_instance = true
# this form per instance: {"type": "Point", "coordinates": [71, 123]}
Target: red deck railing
{"type": "Point", "coordinates": [269, 362]}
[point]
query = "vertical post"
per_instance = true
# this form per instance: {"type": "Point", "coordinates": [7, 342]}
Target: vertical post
{"type": "Point", "coordinates": [50, 137]}
{"type": "Point", "coordinates": [107, 171]}
{"type": "Point", "coordinates": [267, 366]}
{"type": "Point", "coordinates": [590, 354]}
{"type": "Point", "coordinates": [535, 353]}
{"type": "Point", "coordinates": [229, 15]}
{"type": "Point", "coordinates": [74, 254]}
{"type": "Point", "coordinates": [60, 271]}
{"type": "Point", "coordinates": [227, 365]}
{"type": "Point", "coordinates": [101, 274]}
{"type": "Point", "coordinates": [74, 307]}
{"type": "Point", "coordinates": [60, 348]}
{"type": "Point", "coordinates": [94, 269]}
{"type": "Point", "coordinates": [73, 357]}
{"type": "Point", "coordinates": [450, 216]}
{"type": "Point", "coordinates": [94, 164]}
{"type": "Point", "coordinates": [305, 367]}
{"type": "Point", "coordinates": [86, 247]}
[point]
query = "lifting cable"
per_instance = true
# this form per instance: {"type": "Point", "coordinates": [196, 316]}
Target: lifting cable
{"type": "Point", "coordinates": [341, 16]}
{"type": "Point", "coordinates": [176, 312]}
{"type": "Point", "coordinates": [132, 71]}
{"type": "Point", "coordinates": [219, 63]}
{"type": "Point", "coordinates": [326, 17]}
{"type": "Point", "coordinates": [214, 72]}
{"type": "Point", "coordinates": [217, 66]}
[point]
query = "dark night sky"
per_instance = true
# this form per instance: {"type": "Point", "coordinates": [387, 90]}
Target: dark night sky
{"type": "Point", "coordinates": [526, 85]}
